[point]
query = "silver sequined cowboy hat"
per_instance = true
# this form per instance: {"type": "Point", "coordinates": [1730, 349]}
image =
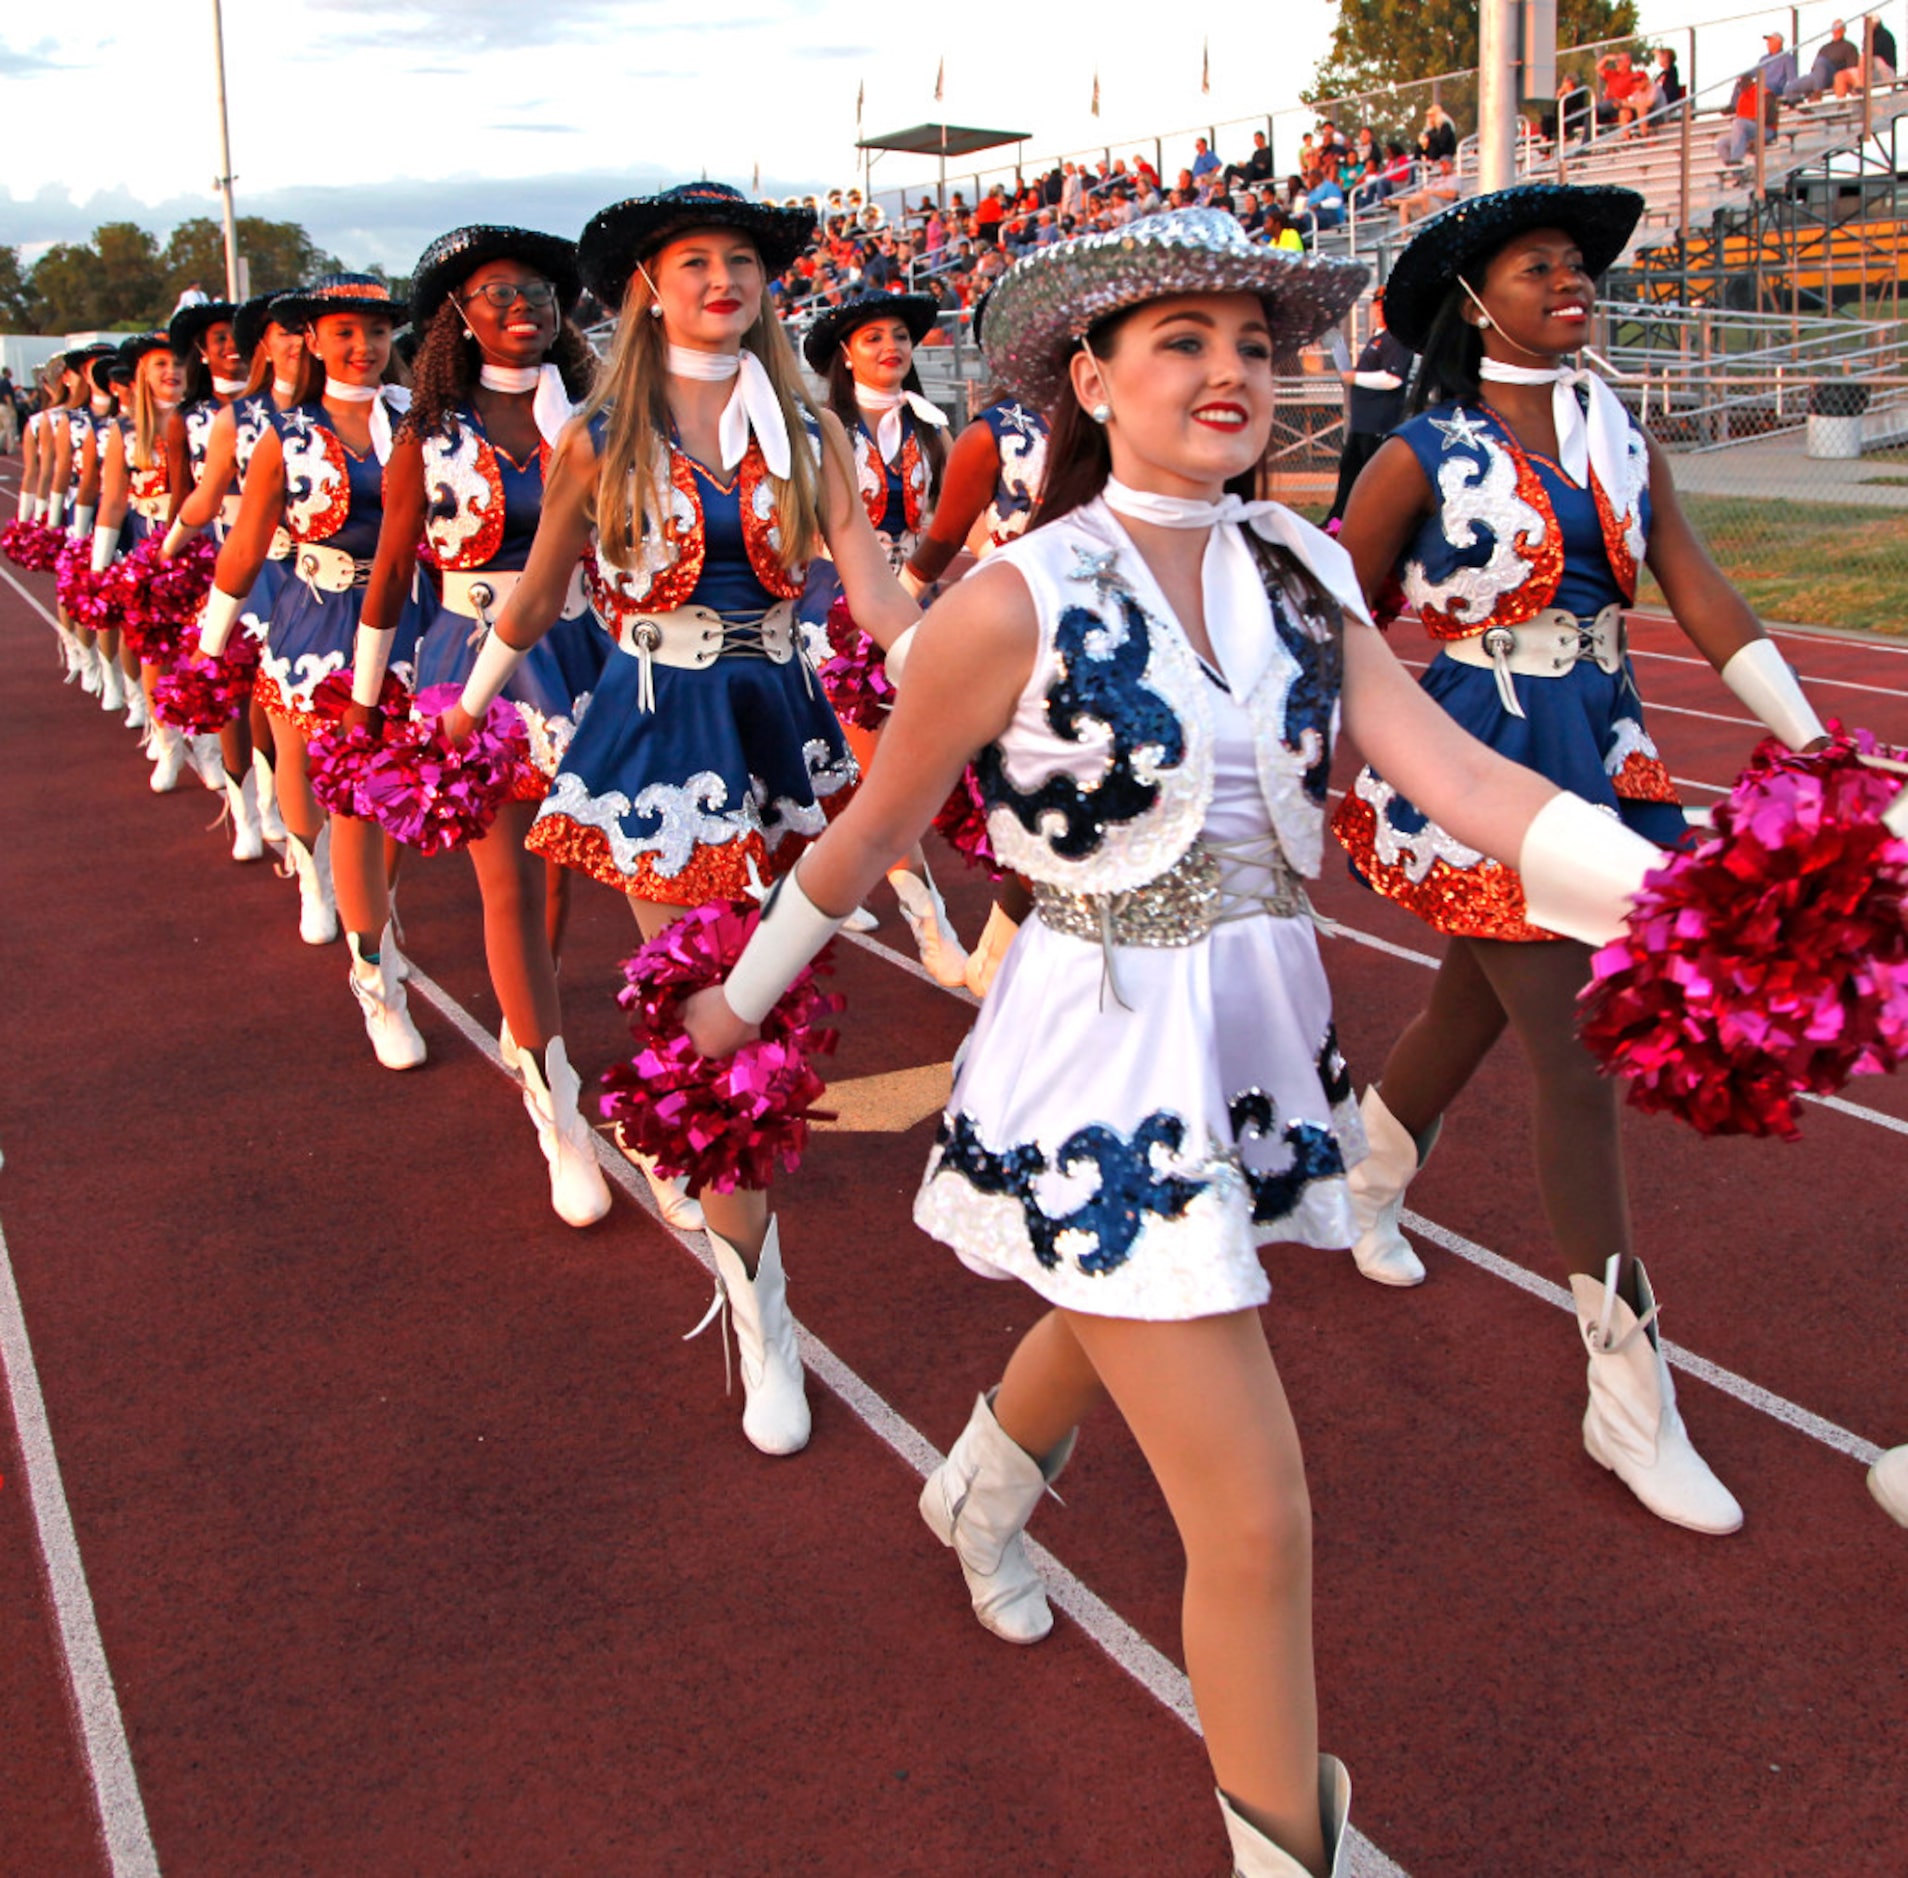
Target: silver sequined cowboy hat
{"type": "Point", "coordinates": [1048, 302]}
{"type": "Point", "coordinates": [627, 232]}
{"type": "Point", "coordinates": [1600, 216]}
{"type": "Point", "coordinates": [837, 323]}
{"type": "Point", "coordinates": [451, 259]}
{"type": "Point", "coordinates": [338, 293]}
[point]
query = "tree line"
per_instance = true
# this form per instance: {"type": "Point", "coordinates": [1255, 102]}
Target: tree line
{"type": "Point", "coordinates": [123, 279]}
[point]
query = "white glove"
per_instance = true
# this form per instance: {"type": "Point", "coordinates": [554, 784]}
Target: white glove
{"type": "Point", "coordinates": [1760, 676]}
{"type": "Point", "coordinates": [1581, 868]}
{"type": "Point", "coordinates": [220, 613]}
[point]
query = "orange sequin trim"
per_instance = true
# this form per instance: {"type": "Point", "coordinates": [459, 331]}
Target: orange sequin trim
{"type": "Point", "coordinates": [529, 785]}
{"type": "Point", "coordinates": [147, 485]}
{"type": "Point", "coordinates": [1645, 779]}
{"type": "Point", "coordinates": [266, 693]}
{"type": "Point", "coordinates": [673, 583]}
{"type": "Point", "coordinates": [301, 523]}
{"type": "Point", "coordinates": [1616, 549]}
{"type": "Point", "coordinates": [713, 873]}
{"type": "Point", "coordinates": [1482, 902]}
{"type": "Point", "coordinates": [765, 558]}
{"type": "Point", "coordinates": [479, 549]}
{"type": "Point", "coordinates": [1545, 556]}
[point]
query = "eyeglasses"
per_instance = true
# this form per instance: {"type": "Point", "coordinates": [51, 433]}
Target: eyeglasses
{"type": "Point", "coordinates": [501, 293]}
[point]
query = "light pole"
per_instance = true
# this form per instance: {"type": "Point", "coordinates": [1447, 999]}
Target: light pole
{"type": "Point", "coordinates": [223, 182]}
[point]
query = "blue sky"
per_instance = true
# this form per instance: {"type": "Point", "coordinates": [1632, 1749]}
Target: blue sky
{"type": "Point", "coordinates": [380, 125]}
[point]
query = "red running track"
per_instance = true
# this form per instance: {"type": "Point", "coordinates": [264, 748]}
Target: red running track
{"type": "Point", "coordinates": [420, 1543]}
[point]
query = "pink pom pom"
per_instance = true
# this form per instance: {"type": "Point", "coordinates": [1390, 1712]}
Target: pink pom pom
{"type": "Point", "coordinates": [855, 677]}
{"type": "Point", "coordinates": [159, 601]}
{"type": "Point", "coordinates": [200, 695]}
{"type": "Point", "coordinates": [1770, 960]}
{"type": "Point", "coordinates": [34, 546]}
{"type": "Point", "coordinates": [962, 824]}
{"type": "Point", "coordinates": [85, 597]}
{"type": "Point", "coordinates": [418, 787]}
{"type": "Point", "coordinates": [723, 1122]}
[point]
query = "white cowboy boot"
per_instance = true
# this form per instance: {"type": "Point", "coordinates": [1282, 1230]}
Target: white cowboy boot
{"type": "Point", "coordinates": [248, 844]}
{"type": "Point", "coordinates": [112, 685]}
{"type": "Point", "coordinates": [774, 1409]}
{"type": "Point", "coordinates": [674, 1201]}
{"type": "Point", "coordinates": [578, 1192]}
{"type": "Point", "coordinates": [985, 959]}
{"type": "Point", "coordinates": [1888, 1482]}
{"type": "Point", "coordinates": [1632, 1425]}
{"type": "Point", "coordinates": [1377, 1186]}
{"type": "Point", "coordinates": [168, 751]}
{"type": "Point", "coordinates": [267, 797]}
{"type": "Point", "coordinates": [509, 1049]}
{"type": "Point", "coordinates": [72, 660]}
{"type": "Point", "coordinates": [207, 762]}
{"type": "Point", "coordinates": [934, 936]}
{"type": "Point", "coordinates": [381, 998]}
{"type": "Point", "coordinates": [1255, 1856]}
{"type": "Point", "coordinates": [137, 716]}
{"type": "Point", "coordinates": [977, 1501]}
{"type": "Point", "coordinates": [860, 920]}
{"type": "Point", "coordinates": [92, 667]}
{"type": "Point", "coordinates": [317, 909]}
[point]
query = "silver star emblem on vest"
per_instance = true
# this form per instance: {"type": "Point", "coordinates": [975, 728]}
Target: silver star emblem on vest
{"type": "Point", "coordinates": [1462, 429]}
{"type": "Point", "coordinates": [1099, 567]}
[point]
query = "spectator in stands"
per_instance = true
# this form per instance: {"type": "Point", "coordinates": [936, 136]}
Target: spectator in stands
{"type": "Point", "coordinates": [1776, 71]}
{"type": "Point", "coordinates": [1575, 118]}
{"type": "Point", "coordinates": [1884, 63]}
{"type": "Point", "coordinates": [1256, 170]}
{"type": "Point", "coordinates": [989, 216]}
{"type": "Point", "coordinates": [1072, 190]}
{"type": "Point", "coordinates": [1440, 190]}
{"type": "Point", "coordinates": [1621, 91]}
{"type": "Point", "coordinates": [1326, 197]}
{"type": "Point", "coordinates": [1438, 139]}
{"type": "Point", "coordinates": [1204, 162]}
{"type": "Point", "coordinates": [1666, 84]}
{"type": "Point", "coordinates": [1839, 54]}
{"type": "Point", "coordinates": [1279, 233]}
{"type": "Point", "coordinates": [1144, 174]}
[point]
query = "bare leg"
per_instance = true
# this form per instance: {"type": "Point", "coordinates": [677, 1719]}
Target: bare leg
{"type": "Point", "coordinates": [235, 746]}
{"type": "Point", "coordinates": [297, 807]}
{"type": "Point", "coordinates": [1439, 1051]}
{"type": "Point", "coordinates": [1578, 1145]}
{"type": "Point", "coordinates": [261, 723]}
{"type": "Point", "coordinates": [358, 878]}
{"type": "Point", "coordinates": [556, 905]}
{"type": "Point", "coordinates": [740, 1217]}
{"type": "Point", "coordinates": [1049, 1387]}
{"type": "Point", "coordinates": [1206, 1406]}
{"type": "Point", "coordinates": [515, 946]}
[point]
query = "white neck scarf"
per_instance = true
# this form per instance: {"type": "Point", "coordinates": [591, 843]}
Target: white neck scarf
{"type": "Point", "coordinates": [1601, 444]}
{"type": "Point", "coordinates": [551, 407]}
{"type": "Point", "coordinates": [753, 405]}
{"type": "Point", "coordinates": [1233, 589]}
{"type": "Point", "coordinates": [381, 407]}
{"type": "Point", "coordinates": [885, 408]}
{"type": "Point", "coordinates": [227, 387]}
{"type": "Point", "coordinates": [284, 387]}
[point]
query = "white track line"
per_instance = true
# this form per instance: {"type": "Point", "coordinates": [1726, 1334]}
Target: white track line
{"type": "Point", "coordinates": [1156, 1673]}
{"type": "Point", "coordinates": [122, 1814]}
{"type": "Point", "coordinates": [1753, 1394]}
{"type": "Point", "coordinates": [1840, 684]}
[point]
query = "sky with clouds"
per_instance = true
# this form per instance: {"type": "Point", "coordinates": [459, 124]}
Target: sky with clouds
{"type": "Point", "coordinates": [377, 125]}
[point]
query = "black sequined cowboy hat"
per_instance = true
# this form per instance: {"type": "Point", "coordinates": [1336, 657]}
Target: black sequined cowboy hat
{"type": "Point", "coordinates": [81, 358]}
{"type": "Point", "coordinates": [451, 259]}
{"type": "Point", "coordinates": [1047, 302]}
{"type": "Point", "coordinates": [100, 369]}
{"type": "Point", "coordinates": [837, 323]}
{"type": "Point", "coordinates": [191, 324]}
{"type": "Point", "coordinates": [260, 311]}
{"type": "Point", "coordinates": [1599, 216]}
{"type": "Point", "coordinates": [131, 351]}
{"type": "Point", "coordinates": [631, 231]}
{"type": "Point", "coordinates": [337, 293]}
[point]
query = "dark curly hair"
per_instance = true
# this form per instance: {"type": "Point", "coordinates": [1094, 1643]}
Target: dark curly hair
{"type": "Point", "coordinates": [841, 400]}
{"type": "Point", "coordinates": [444, 373]}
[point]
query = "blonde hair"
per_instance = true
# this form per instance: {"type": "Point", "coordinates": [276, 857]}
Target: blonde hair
{"type": "Point", "coordinates": [145, 450]}
{"type": "Point", "coordinates": [632, 389]}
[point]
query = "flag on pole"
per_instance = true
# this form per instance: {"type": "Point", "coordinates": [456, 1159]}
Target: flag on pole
{"type": "Point", "coordinates": [1096, 94]}
{"type": "Point", "coordinates": [940, 78]}
{"type": "Point", "coordinates": [756, 190]}
{"type": "Point", "coordinates": [1205, 65]}
{"type": "Point", "coordinates": [861, 92]}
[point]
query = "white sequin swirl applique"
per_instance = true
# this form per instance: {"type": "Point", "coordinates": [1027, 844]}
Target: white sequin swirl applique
{"type": "Point", "coordinates": [465, 492]}
{"type": "Point", "coordinates": [1628, 739]}
{"type": "Point", "coordinates": [1415, 853]}
{"type": "Point", "coordinates": [1466, 502]}
{"type": "Point", "coordinates": [298, 678]}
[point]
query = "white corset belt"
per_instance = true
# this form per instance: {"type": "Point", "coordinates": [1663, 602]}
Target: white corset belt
{"type": "Point", "coordinates": [1548, 646]}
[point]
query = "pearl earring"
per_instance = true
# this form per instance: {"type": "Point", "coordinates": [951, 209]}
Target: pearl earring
{"type": "Point", "coordinates": [655, 309]}
{"type": "Point", "coordinates": [1101, 412]}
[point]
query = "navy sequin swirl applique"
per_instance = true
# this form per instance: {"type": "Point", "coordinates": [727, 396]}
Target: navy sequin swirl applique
{"type": "Point", "coordinates": [1314, 1150]}
{"type": "Point", "coordinates": [1130, 1191]}
{"type": "Point", "coordinates": [1334, 1073]}
{"type": "Point", "coordinates": [1102, 686]}
{"type": "Point", "coordinates": [1320, 657]}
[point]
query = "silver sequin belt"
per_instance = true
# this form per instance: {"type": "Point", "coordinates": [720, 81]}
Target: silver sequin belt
{"type": "Point", "coordinates": [1211, 883]}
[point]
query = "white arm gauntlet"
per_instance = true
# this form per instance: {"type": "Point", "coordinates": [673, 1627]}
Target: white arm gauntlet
{"type": "Point", "coordinates": [1760, 676]}
{"type": "Point", "coordinates": [26, 502]}
{"type": "Point", "coordinates": [369, 657]}
{"type": "Point", "coordinates": [216, 621]}
{"type": "Point", "coordinates": [898, 656]}
{"type": "Point", "coordinates": [176, 538]}
{"type": "Point", "coordinates": [83, 520]}
{"type": "Point", "coordinates": [1581, 868]}
{"type": "Point", "coordinates": [105, 540]}
{"type": "Point", "coordinates": [497, 658]}
{"type": "Point", "coordinates": [793, 929]}
{"type": "Point", "coordinates": [56, 511]}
